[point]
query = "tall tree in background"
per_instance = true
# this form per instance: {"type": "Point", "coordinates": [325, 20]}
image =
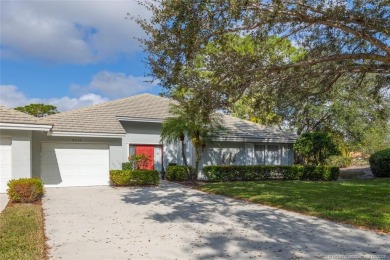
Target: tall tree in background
{"type": "Point", "coordinates": [341, 46]}
{"type": "Point", "coordinates": [38, 110]}
{"type": "Point", "coordinates": [339, 38]}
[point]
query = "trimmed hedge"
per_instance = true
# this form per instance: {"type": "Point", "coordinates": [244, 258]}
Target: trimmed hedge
{"type": "Point", "coordinates": [178, 173]}
{"type": "Point", "coordinates": [127, 166]}
{"type": "Point", "coordinates": [134, 178]}
{"type": "Point", "coordinates": [25, 190]}
{"type": "Point", "coordinates": [380, 163]}
{"type": "Point", "coordinates": [269, 172]}
{"type": "Point", "coordinates": [120, 177]}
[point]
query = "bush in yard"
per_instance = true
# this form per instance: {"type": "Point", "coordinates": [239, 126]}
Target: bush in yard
{"type": "Point", "coordinates": [178, 173]}
{"type": "Point", "coordinates": [25, 190]}
{"type": "Point", "coordinates": [270, 172]}
{"type": "Point", "coordinates": [380, 163]}
{"type": "Point", "coordinates": [127, 166]}
{"type": "Point", "coordinates": [144, 177]}
{"type": "Point", "coordinates": [120, 177]}
{"type": "Point", "coordinates": [134, 177]}
{"type": "Point", "coordinates": [314, 148]}
{"type": "Point", "coordinates": [338, 161]}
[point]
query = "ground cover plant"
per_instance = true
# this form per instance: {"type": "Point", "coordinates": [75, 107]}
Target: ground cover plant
{"type": "Point", "coordinates": [360, 202]}
{"type": "Point", "coordinates": [21, 232]}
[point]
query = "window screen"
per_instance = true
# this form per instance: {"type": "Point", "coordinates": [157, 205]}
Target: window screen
{"type": "Point", "coordinates": [260, 154]}
{"type": "Point", "coordinates": [131, 150]}
{"type": "Point", "coordinates": [273, 156]}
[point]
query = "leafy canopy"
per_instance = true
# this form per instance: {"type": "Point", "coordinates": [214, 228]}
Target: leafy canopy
{"type": "Point", "coordinates": [338, 38]}
{"type": "Point", "coordinates": [38, 110]}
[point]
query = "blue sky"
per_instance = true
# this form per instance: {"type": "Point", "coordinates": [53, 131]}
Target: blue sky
{"type": "Point", "coordinates": [71, 53]}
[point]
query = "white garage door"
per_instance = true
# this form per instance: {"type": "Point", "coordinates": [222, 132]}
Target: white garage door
{"type": "Point", "coordinates": [5, 163]}
{"type": "Point", "coordinates": [64, 164]}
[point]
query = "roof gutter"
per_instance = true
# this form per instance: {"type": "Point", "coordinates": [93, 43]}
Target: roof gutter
{"type": "Point", "coordinates": [80, 134]}
{"type": "Point", "coordinates": [32, 127]}
{"type": "Point", "coordinates": [139, 119]}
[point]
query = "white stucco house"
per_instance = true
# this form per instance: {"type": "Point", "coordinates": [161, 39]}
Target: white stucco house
{"type": "Point", "coordinates": [79, 147]}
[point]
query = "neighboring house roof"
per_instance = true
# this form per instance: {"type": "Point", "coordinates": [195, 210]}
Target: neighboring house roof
{"type": "Point", "coordinates": [11, 118]}
{"type": "Point", "coordinates": [241, 130]}
{"type": "Point", "coordinates": [103, 118]}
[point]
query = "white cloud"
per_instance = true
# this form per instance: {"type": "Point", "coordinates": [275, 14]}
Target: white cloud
{"type": "Point", "coordinates": [65, 31]}
{"type": "Point", "coordinates": [115, 85]}
{"type": "Point", "coordinates": [11, 97]}
{"type": "Point", "coordinates": [67, 103]}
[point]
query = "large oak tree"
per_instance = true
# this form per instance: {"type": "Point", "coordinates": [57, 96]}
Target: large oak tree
{"type": "Point", "coordinates": [339, 38]}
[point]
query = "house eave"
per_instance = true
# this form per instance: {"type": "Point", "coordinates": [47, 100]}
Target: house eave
{"type": "Point", "coordinates": [82, 134]}
{"type": "Point", "coordinates": [139, 119]}
{"type": "Point", "coordinates": [32, 127]}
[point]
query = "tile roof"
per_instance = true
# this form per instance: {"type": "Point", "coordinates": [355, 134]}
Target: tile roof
{"type": "Point", "coordinates": [12, 116]}
{"type": "Point", "coordinates": [237, 128]}
{"type": "Point", "coordinates": [102, 118]}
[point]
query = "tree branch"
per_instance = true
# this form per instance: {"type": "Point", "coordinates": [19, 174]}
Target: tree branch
{"type": "Point", "coordinates": [339, 57]}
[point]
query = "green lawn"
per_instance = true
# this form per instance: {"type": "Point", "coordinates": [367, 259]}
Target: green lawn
{"type": "Point", "coordinates": [21, 232]}
{"type": "Point", "coordinates": [364, 203]}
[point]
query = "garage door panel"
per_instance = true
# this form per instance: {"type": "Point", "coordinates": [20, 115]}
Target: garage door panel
{"type": "Point", "coordinates": [75, 164]}
{"type": "Point", "coordinates": [5, 162]}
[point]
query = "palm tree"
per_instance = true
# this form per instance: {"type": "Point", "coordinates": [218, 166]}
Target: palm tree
{"type": "Point", "coordinates": [174, 129]}
{"type": "Point", "coordinates": [189, 119]}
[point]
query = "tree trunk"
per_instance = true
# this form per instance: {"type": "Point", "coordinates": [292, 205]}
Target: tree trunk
{"type": "Point", "coordinates": [183, 154]}
{"type": "Point", "coordinates": [197, 161]}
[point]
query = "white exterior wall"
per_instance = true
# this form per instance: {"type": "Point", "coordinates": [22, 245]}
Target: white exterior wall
{"type": "Point", "coordinates": [171, 154]}
{"type": "Point", "coordinates": [115, 148]}
{"type": "Point", "coordinates": [21, 152]}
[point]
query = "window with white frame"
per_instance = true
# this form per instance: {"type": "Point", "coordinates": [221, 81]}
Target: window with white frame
{"type": "Point", "coordinates": [267, 154]}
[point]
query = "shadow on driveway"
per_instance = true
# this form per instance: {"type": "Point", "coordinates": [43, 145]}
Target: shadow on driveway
{"type": "Point", "coordinates": [212, 226]}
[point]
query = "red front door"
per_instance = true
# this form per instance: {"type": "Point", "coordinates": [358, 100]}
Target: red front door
{"type": "Point", "coordinates": [148, 151]}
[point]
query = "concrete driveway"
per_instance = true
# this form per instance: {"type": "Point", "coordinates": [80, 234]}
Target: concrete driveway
{"type": "Point", "coordinates": [174, 222]}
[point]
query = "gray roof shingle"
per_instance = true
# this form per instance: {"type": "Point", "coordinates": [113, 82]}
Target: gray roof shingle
{"type": "Point", "coordinates": [103, 118]}
{"type": "Point", "coordinates": [237, 128]}
{"type": "Point", "coordinates": [12, 116]}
